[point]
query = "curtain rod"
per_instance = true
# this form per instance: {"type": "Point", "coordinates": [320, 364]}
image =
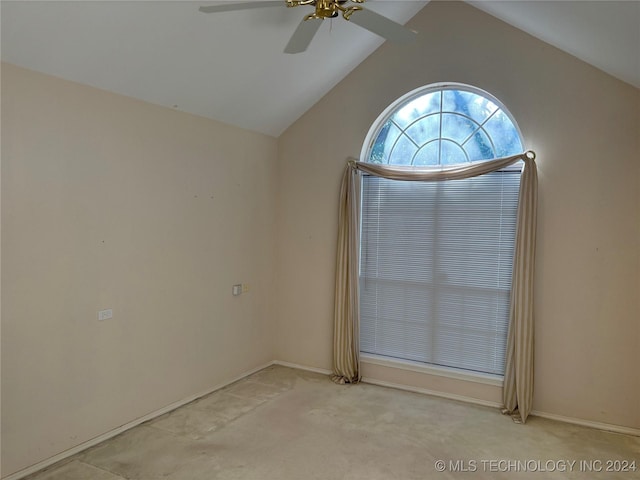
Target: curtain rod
{"type": "Point", "coordinates": [530, 154]}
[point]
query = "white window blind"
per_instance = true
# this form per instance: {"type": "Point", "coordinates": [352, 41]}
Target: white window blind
{"type": "Point", "coordinates": [436, 267]}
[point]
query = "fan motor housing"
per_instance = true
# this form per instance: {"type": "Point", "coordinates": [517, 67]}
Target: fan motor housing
{"type": "Point", "coordinates": [327, 8]}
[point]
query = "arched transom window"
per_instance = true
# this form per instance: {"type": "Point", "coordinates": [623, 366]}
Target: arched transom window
{"type": "Point", "coordinates": [444, 125]}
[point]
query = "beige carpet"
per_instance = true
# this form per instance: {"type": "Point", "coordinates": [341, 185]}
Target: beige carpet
{"type": "Point", "coordinates": [286, 424]}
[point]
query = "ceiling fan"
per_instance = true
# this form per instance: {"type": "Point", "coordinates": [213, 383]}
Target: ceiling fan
{"type": "Point", "coordinates": [310, 24]}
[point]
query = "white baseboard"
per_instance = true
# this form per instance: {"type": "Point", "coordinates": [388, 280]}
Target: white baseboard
{"type": "Point", "coordinates": [134, 423]}
{"type": "Point", "coordinates": [608, 427]}
{"type": "Point", "coordinates": [302, 367]}
{"type": "Point", "coordinates": [435, 393]}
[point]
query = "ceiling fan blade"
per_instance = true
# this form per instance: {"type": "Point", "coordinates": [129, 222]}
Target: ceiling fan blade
{"type": "Point", "coordinates": [231, 6]}
{"type": "Point", "coordinates": [303, 35]}
{"type": "Point", "coordinates": [383, 26]}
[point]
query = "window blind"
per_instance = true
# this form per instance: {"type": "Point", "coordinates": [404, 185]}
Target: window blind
{"type": "Point", "coordinates": [435, 270]}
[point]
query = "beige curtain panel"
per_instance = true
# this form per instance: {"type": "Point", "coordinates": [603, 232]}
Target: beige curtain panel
{"type": "Point", "coordinates": [518, 379]}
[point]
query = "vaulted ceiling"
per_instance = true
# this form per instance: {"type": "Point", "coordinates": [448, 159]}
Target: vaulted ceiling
{"type": "Point", "coordinates": [230, 66]}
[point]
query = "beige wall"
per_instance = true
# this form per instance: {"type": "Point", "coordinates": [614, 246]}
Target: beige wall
{"type": "Point", "coordinates": [108, 202]}
{"type": "Point", "coordinates": [584, 126]}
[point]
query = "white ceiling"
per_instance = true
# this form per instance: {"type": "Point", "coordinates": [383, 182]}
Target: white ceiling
{"type": "Point", "coordinates": [227, 66]}
{"type": "Point", "coordinates": [230, 66]}
{"type": "Point", "coordinates": [605, 34]}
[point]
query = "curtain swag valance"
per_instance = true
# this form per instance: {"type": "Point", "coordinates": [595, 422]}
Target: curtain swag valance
{"type": "Point", "coordinates": [518, 377]}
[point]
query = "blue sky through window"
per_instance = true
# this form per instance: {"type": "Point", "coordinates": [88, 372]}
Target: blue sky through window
{"type": "Point", "coordinates": [445, 127]}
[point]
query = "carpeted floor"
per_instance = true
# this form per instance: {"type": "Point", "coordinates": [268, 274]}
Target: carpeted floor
{"type": "Point", "coordinates": [286, 424]}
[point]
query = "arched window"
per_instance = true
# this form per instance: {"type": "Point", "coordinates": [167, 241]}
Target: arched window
{"type": "Point", "coordinates": [437, 257]}
{"type": "Point", "coordinates": [443, 125]}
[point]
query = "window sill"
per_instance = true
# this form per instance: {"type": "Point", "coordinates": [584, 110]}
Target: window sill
{"type": "Point", "coordinates": [484, 378]}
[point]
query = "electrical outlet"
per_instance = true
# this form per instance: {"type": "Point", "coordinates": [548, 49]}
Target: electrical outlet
{"type": "Point", "coordinates": [245, 287]}
{"type": "Point", "coordinates": [105, 314]}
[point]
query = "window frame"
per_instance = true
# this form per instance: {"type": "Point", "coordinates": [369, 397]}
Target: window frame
{"type": "Point", "coordinates": [368, 144]}
{"type": "Point", "coordinates": [399, 103]}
